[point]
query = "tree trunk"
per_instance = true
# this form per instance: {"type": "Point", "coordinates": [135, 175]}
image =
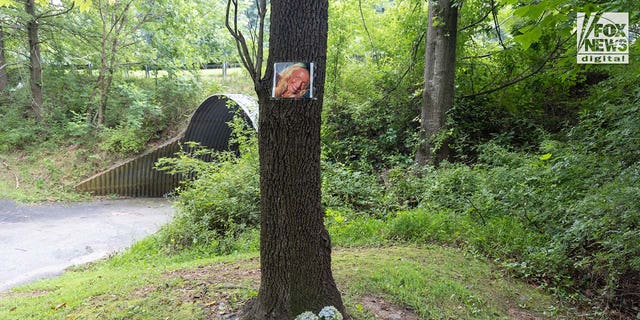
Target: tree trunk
{"type": "Point", "coordinates": [295, 249]}
{"type": "Point", "coordinates": [4, 79]}
{"type": "Point", "coordinates": [439, 75]}
{"type": "Point", "coordinates": [35, 61]}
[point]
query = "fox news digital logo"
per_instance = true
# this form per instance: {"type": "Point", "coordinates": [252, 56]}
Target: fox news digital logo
{"type": "Point", "coordinates": [603, 38]}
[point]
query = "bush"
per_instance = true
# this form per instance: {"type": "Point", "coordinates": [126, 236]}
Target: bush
{"type": "Point", "coordinates": [221, 202]}
{"type": "Point", "coordinates": [566, 216]}
{"type": "Point", "coordinates": [351, 189]}
{"type": "Point", "coordinates": [123, 140]}
{"type": "Point", "coordinates": [177, 96]}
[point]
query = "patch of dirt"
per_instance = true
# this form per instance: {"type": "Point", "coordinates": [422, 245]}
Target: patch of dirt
{"type": "Point", "coordinates": [23, 294]}
{"type": "Point", "coordinates": [519, 314]}
{"type": "Point", "coordinates": [384, 310]}
{"type": "Point", "coordinates": [220, 289]}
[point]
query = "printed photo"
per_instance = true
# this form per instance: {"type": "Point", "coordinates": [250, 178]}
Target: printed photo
{"type": "Point", "coordinates": [292, 80]}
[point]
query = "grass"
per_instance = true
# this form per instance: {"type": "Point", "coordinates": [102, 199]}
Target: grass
{"type": "Point", "coordinates": [414, 282]}
{"type": "Point", "coordinates": [48, 174]}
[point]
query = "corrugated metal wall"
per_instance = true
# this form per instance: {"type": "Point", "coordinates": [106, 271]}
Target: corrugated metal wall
{"type": "Point", "coordinates": [208, 126]}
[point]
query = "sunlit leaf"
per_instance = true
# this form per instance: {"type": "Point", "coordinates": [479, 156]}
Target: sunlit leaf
{"type": "Point", "coordinates": [528, 37]}
{"type": "Point", "coordinates": [83, 5]}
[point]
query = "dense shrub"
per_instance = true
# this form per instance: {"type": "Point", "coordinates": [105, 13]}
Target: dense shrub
{"type": "Point", "coordinates": [221, 201]}
{"type": "Point", "coordinates": [474, 122]}
{"type": "Point", "coordinates": [177, 96]}
{"type": "Point", "coordinates": [566, 216]}
{"type": "Point", "coordinates": [351, 189]}
{"type": "Point", "coordinates": [17, 128]}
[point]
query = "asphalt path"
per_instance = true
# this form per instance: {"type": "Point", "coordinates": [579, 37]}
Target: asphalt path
{"type": "Point", "coordinates": [39, 241]}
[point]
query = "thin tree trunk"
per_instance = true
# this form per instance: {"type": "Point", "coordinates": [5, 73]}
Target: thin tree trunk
{"type": "Point", "coordinates": [439, 76]}
{"type": "Point", "coordinates": [295, 249]}
{"type": "Point", "coordinates": [4, 79]}
{"type": "Point", "coordinates": [35, 61]}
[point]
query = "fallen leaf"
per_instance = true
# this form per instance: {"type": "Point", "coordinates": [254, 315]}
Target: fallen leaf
{"type": "Point", "coordinates": [62, 305]}
{"type": "Point", "coordinates": [209, 304]}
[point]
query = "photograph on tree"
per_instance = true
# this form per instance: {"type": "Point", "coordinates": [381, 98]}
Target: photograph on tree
{"type": "Point", "coordinates": [292, 80]}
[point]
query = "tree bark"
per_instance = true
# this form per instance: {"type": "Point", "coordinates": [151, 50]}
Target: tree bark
{"type": "Point", "coordinates": [295, 249]}
{"type": "Point", "coordinates": [4, 79]}
{"type": "Point", "coordinates": [35, 61]}
{"type": "Point", "coordinates": [439, 76]}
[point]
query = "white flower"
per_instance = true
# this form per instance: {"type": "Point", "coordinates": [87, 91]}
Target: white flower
{"type": "Point", "coordinates": [308, 315]}
{"type": "Point", "coordinates": [330, 313]}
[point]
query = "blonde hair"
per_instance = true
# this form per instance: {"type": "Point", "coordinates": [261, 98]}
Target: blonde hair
{"type": "Point", "coordinates": [281, 86]}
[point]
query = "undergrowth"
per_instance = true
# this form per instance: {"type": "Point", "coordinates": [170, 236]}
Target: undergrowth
{"type": "Point", "coordinates": [564, 217]}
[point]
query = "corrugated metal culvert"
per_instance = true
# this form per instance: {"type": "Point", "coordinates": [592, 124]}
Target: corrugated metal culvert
{"type": "Point", "coordinates": [208, 126]}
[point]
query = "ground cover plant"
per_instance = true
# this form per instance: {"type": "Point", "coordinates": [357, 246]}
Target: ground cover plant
{"type": "Point", "coordinates": [411, 282]}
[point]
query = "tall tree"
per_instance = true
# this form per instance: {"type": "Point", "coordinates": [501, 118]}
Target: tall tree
{"type": "Point", "coordinates": [35, 59]}
{"type": "Point", "coordinates": [4, 80]}
{"type": "Point", "coordinates": [31, 22]}
{"type": "Point", "coordinates": [119, 23]}
{"type": "Point", "coordinates": [295, 248]}
{"type": "Point", "coordinates": [439, 76]}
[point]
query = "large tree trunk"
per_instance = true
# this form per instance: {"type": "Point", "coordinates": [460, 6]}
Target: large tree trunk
{"type": "Point", "coordinates": [439, 75]}
{"type": "Point", "coordinates": [35, 61]}
{"type": "Point", "coordinates": [295, 249]}
{"type": "Point", "coordinates": [4, 79]}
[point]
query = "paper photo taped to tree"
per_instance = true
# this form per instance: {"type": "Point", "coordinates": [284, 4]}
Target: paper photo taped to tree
{"type": "Point", "coordinates": [293, 80]}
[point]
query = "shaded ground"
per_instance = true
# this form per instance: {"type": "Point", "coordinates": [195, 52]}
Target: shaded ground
{"type": "Point", "coordinates": [377, 283]}
{"type": "Point", "coordinates": [222, 289]}
{"type": "Point", "coordinates": [38, 241]}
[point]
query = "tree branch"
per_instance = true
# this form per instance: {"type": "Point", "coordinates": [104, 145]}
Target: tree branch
{"type": "Point", "coordinates": [262, 13]}
{"type": "Point", "coordinates": [241, 42]}
{"type": "Point", "coordinates": [494, 13]}
{"type": "Point", "coordinates": [525, 76]}
{"type": "Point", "coordinates": [479, 21]}
{"type": "Point", "coordinates": [54, 13]}
{"type": "Point", "coordinates": [364, 24]}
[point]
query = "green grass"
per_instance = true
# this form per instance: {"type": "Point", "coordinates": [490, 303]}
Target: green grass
{"type": "Point", "coordinates": [46, 174]}
{"type": "Point", "coordinates": [439, 283]}
{"type": "Point", "coordinates": [430, 282]}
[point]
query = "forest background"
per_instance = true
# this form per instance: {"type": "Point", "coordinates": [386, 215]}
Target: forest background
{"type": "Point", "coordinates": [543, 174]}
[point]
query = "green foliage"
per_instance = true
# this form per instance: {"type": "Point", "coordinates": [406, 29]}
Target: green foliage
{"type": "Point", "coordinates": [347, 188]}
{"type": "Point", "coordinates": [16, 132]}
{"type": "Point", "coordinates": [130, 135]}
{"type": "Point", "coordinates": [123, 140]}
{"type": "Point", "coordinates": [221, 202]}
{"type": "Point", "coordinates": [372, 82]}
{"type": "Point", "coordinates": [177, 97]}
{"type": "Point", "coordinates": [565, 214]}
{"type": "Point", "coordinates": [474, 122]}
{"type": "Point", "coordinates": [141, 111]}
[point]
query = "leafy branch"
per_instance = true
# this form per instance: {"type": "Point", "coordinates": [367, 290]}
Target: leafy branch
{"type": "Point", "coordinates": [523, 76]}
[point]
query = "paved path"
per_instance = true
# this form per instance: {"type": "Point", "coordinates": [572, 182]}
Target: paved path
{"type": "Point", "coordinates": [38, 241]}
